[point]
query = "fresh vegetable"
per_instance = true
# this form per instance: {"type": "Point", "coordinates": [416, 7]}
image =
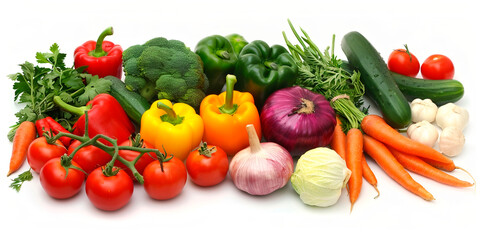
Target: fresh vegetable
{"type": "Point", "coordinates": [109, 192]}
{"type": "Point", "coordinates": [106, 114]}
{"type": "Point", "coordinates": [25, 135]}
{"type": "Point", "coordinates": [452, 115]}
{"type": "Point", "coordinates": [402, 61]}
{"type": "Point", "coordinates": [261, 168]}
{"type": "Point", "coordinates": [102, 58]}
{"type": "Point", "coordinates": [323, 73]}
{"type": "Point", "coordinates": [379, 83]}
{"type": "Point", "coordinates": [451, 141]}
{"type": "Point", "coordinates": [89, 157]}
{"type": "Point", "coordinates": [61, 178]}
{"type": "Point", "coordinates": [165, 69]}
{"type": "Point", "coordinates": [36, 86]}
{"type": "Point", "coordinates": [416, 165]}
{"type": "Point", "coordinates": [437, 66]}
{"type": "Point", "coordinates": [162, 183]}
{"type": "Point", "coordinates": [262, 69]}
{"type": "Point", "coordinates": [439, 91]}
{"type": "Point", "coordinates": [226, 115]}
{"type": "Point", "coordinates": [385, 159]}
{"type": "Point", "coordinates": [129, 155]}
{"type": "Point", "coordinates": [354, 153]}
{"type": "Point", "coordinates": [132, 102]}
{"type": "Point", "coordinates": [238, 42]}
{"type": "Point", "coordinates": [339, 140]}
{"type": "Point", "coordinates": [20, 179]}
{"type": "Point", "coordinates": [319, 177]}
{"type": "Point", "coordinates": [207, 165]}
{"type": "Point", "coordinates": [218, 59]}
{"type": "Point", "coordinates": [50, 126]}
{"type": "Point", "coordinates": [180, 128]}
{"type": "Point", "coordinates": [376, 127]}
{"type": "Point", "coordinates": [423, 132]}
{"type": "Point", "coordinates": [423, 110]}
{"type": "Point", "coordinates": [368, 174]}
{"type": "Point", "coordinates": [298, 119]}
{"type": "Point", "coordinates": [41, 150]}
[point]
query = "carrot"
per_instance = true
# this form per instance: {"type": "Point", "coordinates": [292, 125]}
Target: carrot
{"type": "Point", "coordinates": [440, 165]}
{"type": "Point", "coordinates": [385, 159]}
{"type": "Point", "coordinates": [368, 174]}
{"type": "Point", "coordinates": [416, 165]}
{"type": "Point", "coordinates": [353, 159]}
{"type": "Point", "coordinates": [374, 126]}
{"type": "Point", "coordinates": [339, 140]}
{"type": "Point", "coordinates": [25, 134]}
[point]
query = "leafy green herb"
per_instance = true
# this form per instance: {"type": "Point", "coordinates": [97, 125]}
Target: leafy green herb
{"type": "Point", "coordinates": [322, 72]}
{"type": "Point", "coordinates": [18, 181]}
{"type": "Point", "coordinates": [36, 85]}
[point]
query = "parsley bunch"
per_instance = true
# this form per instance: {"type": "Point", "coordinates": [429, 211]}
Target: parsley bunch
{"type": "Point", "coordinates": [36, 85]}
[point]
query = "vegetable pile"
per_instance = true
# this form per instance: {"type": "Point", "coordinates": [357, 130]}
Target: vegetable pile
{"type": "Point", "coordinates": [292, 113]}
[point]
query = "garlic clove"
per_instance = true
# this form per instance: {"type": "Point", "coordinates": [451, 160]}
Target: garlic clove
{"type": "Point", "coordinates": [451, 115]}
{"type": "Point", "coordinates": [451, 141]}
{"type": "Point", "coordinates": [423, 132]}
{"type": "Point", "coordinates": [423, 110]}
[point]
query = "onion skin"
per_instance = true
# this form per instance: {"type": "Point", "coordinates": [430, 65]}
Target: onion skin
{"type": "Point", "coordinates": [297, 131]}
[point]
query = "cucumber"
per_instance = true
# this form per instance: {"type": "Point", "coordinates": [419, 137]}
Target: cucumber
{"type": "Point", "coordinates": [379, 83]}
{"type": "Point", "coordinates": [132, 102]}
{"type": "Point", "coordinates": [439, 91]}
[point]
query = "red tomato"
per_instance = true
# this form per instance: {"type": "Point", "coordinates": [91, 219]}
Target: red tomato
{"type": "Point", "coordinates": [167, 184]}
{"type": "Point", "coordinates": [403, 62]}
{"type": "Point", "coordinates": [131, 155]}
{"type": "Point", "coordinates": [40, 152]}
{"type": "Point", "coordinates": [56, 184]}
{"type": "Point", "coordinates": [204, 170]}
{"type": "Point", "coordinates": [109, 193]}
{"type": "Point", "coordinates": [438, 67]}
{"type": "Point", "coordinates": [89, 157]}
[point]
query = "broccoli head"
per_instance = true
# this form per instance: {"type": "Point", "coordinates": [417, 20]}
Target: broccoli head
{"type": "Point", "coordinates": [169, 70]}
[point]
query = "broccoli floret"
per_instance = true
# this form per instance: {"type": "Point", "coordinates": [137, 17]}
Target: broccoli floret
{"type": "Point", "coordinates": [169, 70]}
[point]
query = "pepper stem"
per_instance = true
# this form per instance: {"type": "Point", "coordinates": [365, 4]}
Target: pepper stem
{"type": "Point", "coordinates": [98, 52]}
{"type": "Point", "coordinates": [223, 54]}
{"type": "Point", "coordinates": [229, 107]}
{"type": "Point", "coordinates": [79, 111]}
{"type": "Point", "coordinates": [271, 65]}
{"type": "Point", "coordinates": [253, 139]}
{"type": "Point", "coordinates": [171, 116]}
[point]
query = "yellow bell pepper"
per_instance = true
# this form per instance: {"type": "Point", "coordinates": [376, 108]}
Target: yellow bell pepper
{"type": "Point", "coordinates": [177, 128]}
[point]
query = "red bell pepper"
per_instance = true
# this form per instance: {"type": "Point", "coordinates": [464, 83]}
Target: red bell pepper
{"type": "Point", "coordinates": [106, 116]}
{"type": "Point", "coordinates": [50, 126]}
{"type": "Point", "coordinates": [102, 58]}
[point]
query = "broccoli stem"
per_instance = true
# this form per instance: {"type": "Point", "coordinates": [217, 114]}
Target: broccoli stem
{"type": "Point", "coordinates": [229, 107]}
{"type": "Point", "coordinates": [98, 51]}
{"type": "Point", "coordinates": [170, 115]}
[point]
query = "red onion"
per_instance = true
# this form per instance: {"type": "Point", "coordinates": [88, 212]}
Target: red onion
{"type": "Point", "coordinates": [298, 119]}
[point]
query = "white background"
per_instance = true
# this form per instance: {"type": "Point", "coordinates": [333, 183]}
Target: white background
{"type": "Point", "coordinates": [428, 27]}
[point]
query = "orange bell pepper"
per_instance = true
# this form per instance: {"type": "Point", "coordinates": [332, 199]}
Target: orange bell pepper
{"type": "Point", "coordinates": [226, 116]}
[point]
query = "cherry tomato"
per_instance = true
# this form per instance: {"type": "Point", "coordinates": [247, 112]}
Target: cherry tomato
{"type": "Point", "coordinates": [403, 62]}
{"type": "Point", "coordinates": [40, 152]}
{"type": "Point", "coordinates": [438, 67]}
{"type": "Point", "coordinates": [89, 157]}
{"type": "Point", "coordinates": [167, 184]}
{"type": "Point", "coordinates": [207, 165]}
{"type": "Point", "coordinates": [109, 193]}
{"type": "Point", "coordinates": [131, 155]}
{"type": "Point", "coordinates": [57, 183]}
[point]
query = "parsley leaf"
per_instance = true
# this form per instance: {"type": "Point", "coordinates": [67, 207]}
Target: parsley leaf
{"type": "Point", "coordinates": [94, 87]}
{"type": "Point", "coordinates": [18, 181]}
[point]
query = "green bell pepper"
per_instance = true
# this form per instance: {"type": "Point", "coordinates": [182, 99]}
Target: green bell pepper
{"type": "Point", "coordinates": [218, 58]}
{"type": "Point", "coordinates": [261, 70]}
{"type": "Point", "coordinates": [237, 41]}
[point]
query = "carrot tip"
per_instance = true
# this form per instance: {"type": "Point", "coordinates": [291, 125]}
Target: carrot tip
{"type": "Point", "coordinates": [474, 182]}
{"type": "Point", "coordinates": [378, 192]}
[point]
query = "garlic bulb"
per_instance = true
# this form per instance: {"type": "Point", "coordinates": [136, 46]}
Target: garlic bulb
{"type": "Point", "coordinates": [451, 141]}
{"type": "Point", "coordinates": [423, 110]}
{"type": "Point", "coordinates": [319, 177]}
{"type": "Point", "coordinates": [451, 115]}
{"type": "Point", "coordinates": [423, 132]}
{"type": "Point", "coordinates": [261, 168]}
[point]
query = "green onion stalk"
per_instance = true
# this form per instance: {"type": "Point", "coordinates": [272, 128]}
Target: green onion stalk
{"type": "Point", "coordinates": [322, 72]}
